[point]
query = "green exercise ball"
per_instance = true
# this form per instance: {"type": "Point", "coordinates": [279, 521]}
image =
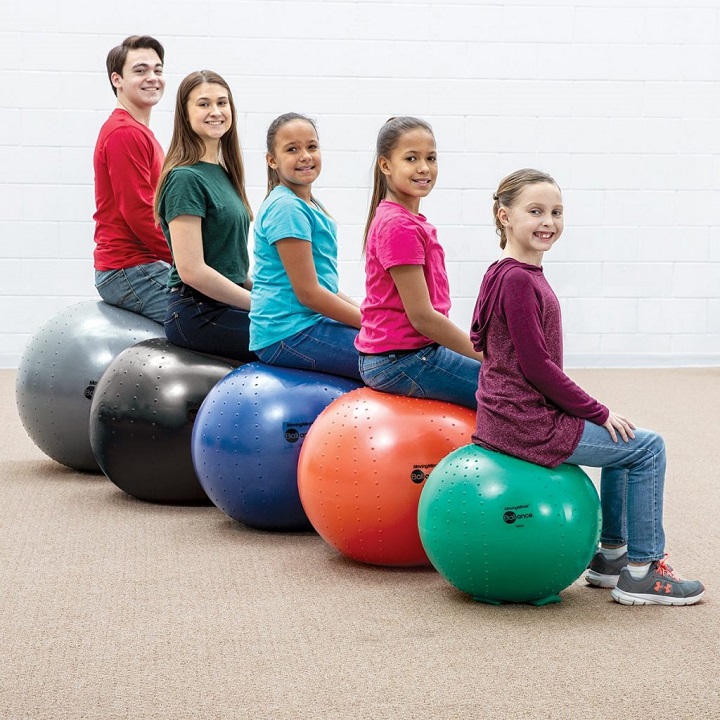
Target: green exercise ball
{"type": "Point", "coordinates": [506, 530]}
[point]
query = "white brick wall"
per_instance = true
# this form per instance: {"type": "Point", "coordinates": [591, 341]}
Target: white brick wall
{"type": "Point", "coordinates": [618, 100]}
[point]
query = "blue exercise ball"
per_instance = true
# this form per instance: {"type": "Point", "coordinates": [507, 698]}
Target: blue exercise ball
{"type": "Point", "coordinates": [142, 415]}
{"type": "Point", "coordinates": [60, 368]}
{"type": "Point", "coordinates": [506, 530]}
{"type": "Point", "coordinates": [247, 438]}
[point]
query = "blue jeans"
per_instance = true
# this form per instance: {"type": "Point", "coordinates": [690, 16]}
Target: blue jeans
{"type": "Point", "coordinates": [327, 346]}
{"type": "Point", "coordinates": [631, 488]}
{"type": "Point", "coordinates": [433, 372]}
{"type": "Point", "coordinates": [197, 322]}
{"type": "Point", "coordinates": [141, 289]}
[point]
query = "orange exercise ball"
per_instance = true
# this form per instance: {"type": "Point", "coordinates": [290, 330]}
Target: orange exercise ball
{"type": "Point", "coordinates": [363, 465]}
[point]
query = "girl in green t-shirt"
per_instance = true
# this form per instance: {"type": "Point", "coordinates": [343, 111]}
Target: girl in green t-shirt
{"type": "Point", "coordinates": [205, 215]}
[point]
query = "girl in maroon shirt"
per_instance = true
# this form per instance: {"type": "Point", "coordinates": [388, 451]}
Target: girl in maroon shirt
{"type": "Point", "coordinates": [528, 407]}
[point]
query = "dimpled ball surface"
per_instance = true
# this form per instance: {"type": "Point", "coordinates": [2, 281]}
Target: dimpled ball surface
{"type": "Point", "coordinates": [505, 530]}
{"type": "Point", "coordinates": [247, 440]}
{"type": "Point", "coordinates": [142, 417]}
{"type": "Point", "coordinates": [363, 467]}
{"type": "Point", "coordinates": [60, 368]}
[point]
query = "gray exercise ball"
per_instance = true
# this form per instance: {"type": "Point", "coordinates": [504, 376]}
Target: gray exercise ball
{"type": "Point", "coordinates": [142, 417]}
{"type": "Point", "coordinates": [58, 372]}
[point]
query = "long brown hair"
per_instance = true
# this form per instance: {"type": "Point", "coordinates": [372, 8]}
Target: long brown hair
{"type": "Point", "coordinates": [186, 148]}
{"type": "Point", "coordinates": [387, 140]}
{"type": "Point", "coordinates": [507, 193]}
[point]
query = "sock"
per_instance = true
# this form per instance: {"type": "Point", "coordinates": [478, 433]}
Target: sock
{"type": "Point", "coordinates": [613, 553]}
{"type": "Point", "coordinates": [638, 572]}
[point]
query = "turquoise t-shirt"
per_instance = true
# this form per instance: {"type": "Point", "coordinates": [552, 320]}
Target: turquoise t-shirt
{"type": "Point", "coordinates": [275, 311]}
{"type": "Point", "coordinates": [204, 190]}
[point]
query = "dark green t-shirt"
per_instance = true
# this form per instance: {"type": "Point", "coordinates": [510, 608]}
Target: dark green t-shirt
{"type": "Point", "coordinates": [204, 190]}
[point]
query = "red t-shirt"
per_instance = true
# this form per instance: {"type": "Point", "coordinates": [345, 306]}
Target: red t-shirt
{"type": "Point", "coordinates": [127, 161]}
{"type": "Point", "coordinates": [398, 237]}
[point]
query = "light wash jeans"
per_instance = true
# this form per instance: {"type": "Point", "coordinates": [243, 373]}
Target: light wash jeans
{"type": "Point", "coordinates": [432, 372]}
{"type": "Point", "coordinates": [327, 346]}
{"type": "Point", "coordinates": [141, 289]}
{"type": "Point", "coordinates": [631, 488]}
{"type": "Point", "coordinates": [197, 322]}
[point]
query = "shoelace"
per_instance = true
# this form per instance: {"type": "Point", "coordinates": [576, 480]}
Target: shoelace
{"type": "Point", "coordinates": [665, 570]}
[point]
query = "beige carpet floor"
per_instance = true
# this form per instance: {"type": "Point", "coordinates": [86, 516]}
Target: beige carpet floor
{"type": "Point", "coordinates": [112, 608]}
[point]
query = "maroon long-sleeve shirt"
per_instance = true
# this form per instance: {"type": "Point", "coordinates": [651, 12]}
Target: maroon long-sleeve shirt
{"type": "Point", "coordinates": [527, 406]}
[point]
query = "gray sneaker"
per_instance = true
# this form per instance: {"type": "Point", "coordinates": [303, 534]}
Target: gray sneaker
{"type": "Point", "coordinates": [604, 573]}
{"type": "Point", "coordinates": [661, 586]}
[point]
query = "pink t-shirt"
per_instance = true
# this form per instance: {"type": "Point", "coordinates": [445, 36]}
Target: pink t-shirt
{"type": "Point", "coordinates": [397, 237]}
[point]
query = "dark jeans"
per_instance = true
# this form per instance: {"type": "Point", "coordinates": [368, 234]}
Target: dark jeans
{"type": "Point", "coordinates": [197, 322]}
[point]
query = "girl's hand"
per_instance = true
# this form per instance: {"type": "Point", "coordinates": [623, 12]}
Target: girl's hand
{"type": "Point", "coordinates": [620, 424]}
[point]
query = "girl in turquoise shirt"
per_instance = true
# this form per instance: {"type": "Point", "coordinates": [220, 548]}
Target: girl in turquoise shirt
{"type": "Point", "coordinates": [298, 317]}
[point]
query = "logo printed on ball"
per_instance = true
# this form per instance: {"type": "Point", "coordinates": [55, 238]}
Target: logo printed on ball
{"type": "Point", "coordinates": [291, 432]}
{"type": "Point", "coordinates": [510, 516]}
{"type": "Point", "coordinates": [418, 473]}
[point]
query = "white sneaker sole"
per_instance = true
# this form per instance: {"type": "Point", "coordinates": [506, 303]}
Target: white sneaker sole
{"type": "Point", "coordinates": [625, 598]}
{"type": "Point", "coordinates": [602, 581]}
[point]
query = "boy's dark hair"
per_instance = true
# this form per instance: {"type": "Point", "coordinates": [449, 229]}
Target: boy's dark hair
{"type": "Point", "coordinates": [118, 55]}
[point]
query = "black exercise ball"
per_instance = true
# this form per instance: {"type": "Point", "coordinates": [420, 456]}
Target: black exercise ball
{"type": "Point", "coordinates": [142, 416]}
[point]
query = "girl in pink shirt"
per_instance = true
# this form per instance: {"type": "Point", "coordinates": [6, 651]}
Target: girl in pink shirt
{"type": "Point", "coordinates": [407, 343]}
{"type": "Point", "coordinates": [528, 407]}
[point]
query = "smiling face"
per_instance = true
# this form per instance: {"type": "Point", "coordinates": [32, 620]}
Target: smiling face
{"type": "Point", "coordinates": [142, 83]}
{"type": "Point", "coordinates": [411, 169]}
{"type": "Point", "coordinates": [296, 157]}
{"type": "Point", "coordinates": [534, 222]}
{"type": "Point", "coordinates": [209, 113]}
